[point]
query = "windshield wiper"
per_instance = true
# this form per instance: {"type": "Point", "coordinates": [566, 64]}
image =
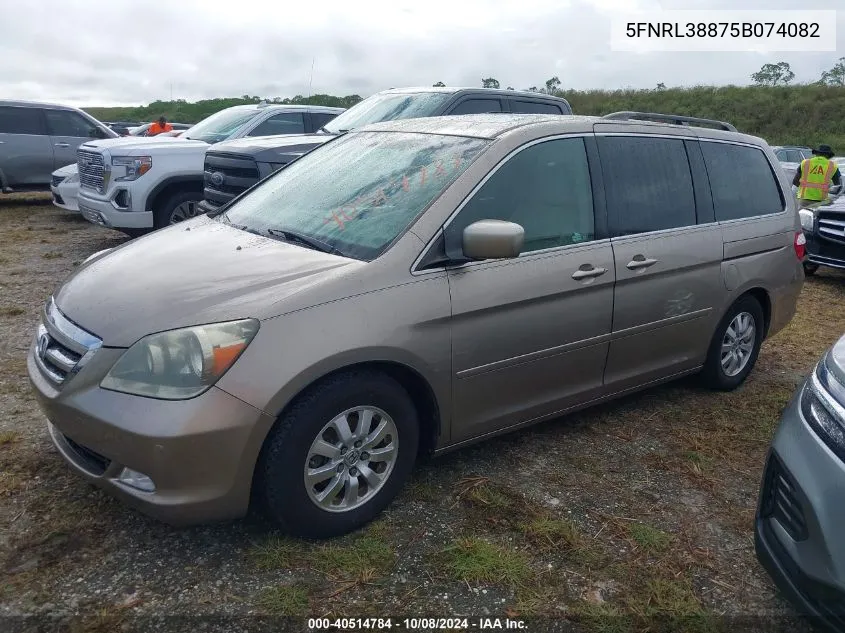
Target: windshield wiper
{"type": "Point", "coordinates": [304, 240]}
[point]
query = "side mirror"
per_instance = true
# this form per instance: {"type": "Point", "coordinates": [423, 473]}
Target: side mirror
{"type": "Point", "coordinates": [493, 239]}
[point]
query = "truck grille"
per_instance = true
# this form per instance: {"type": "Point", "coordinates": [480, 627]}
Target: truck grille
{"type": "Point", "coordinates": [60, 346]}
{"type": "Point", "coordinates": [227, 176]}
{"type": "Point", "coordinates": [92, 171]}
{"type": "Point", "coordinates": [832, 226]}
{"type": "Point", "coordinates": [780, 500]}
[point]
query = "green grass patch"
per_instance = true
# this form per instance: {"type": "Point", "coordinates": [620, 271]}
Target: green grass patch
{"type": "Point", "coordinates": [547, 532]}
{"type": "Point", "coordinates": [288, 600]}
{"type": "Point", "coordinates": [475, 560]}
{"type": "Point", "coordinates": [365, 557]}
{"type": "Point", "coordinates": [649, 538]}
{"type": "Point", "coordinates": [276, 553]}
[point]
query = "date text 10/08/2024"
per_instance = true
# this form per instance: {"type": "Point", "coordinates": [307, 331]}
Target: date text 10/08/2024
{"type": "Point", "coordinates": [412, 624]}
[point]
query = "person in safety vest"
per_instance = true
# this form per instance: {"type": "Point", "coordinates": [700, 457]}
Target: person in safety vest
{"type": "Point", "coordinates": [815, 176]}
{"type": "Point", "coordinates": [159, 126]}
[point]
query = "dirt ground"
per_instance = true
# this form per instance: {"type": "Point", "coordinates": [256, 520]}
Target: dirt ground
{"type": "Point", "coordinates": [631, 516]}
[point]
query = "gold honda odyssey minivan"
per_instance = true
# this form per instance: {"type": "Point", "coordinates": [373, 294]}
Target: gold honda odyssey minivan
{"type": "Point", "coordinates": [409, 287]}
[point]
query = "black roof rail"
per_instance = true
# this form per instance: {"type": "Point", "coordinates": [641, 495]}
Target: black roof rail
{"type": "Point", "coordinates": [675, 119]}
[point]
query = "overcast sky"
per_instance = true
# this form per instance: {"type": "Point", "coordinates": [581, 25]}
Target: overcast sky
{"type": "Point", "coordinates": [114, 52]}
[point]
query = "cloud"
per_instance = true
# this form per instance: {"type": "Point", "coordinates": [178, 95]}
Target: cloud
{"type": "Point", "coordinates": [102, 52]}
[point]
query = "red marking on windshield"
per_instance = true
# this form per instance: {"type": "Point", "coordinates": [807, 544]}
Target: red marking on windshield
{"type": "Point", "coordinates": [439, 171]}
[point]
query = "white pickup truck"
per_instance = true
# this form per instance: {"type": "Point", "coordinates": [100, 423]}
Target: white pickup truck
{"type": "Point", "coordinates": [136, 184]}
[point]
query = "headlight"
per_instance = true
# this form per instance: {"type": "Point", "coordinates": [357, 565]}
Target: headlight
{"type": "Point", "coordinates": [180, 364]}
{"type": "Point", "coordinates": [136, 166]}
{"type": "Point", "coordinates": [74, 177]}
{"type": "Point", "coordinates": [806, 219]}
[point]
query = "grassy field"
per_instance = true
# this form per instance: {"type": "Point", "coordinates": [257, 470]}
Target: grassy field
{"type": "Point", "coordinates": [636, 515]}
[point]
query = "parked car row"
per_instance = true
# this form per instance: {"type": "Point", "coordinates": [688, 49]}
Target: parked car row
{"type": "Point", "coordinates": [181, 180]}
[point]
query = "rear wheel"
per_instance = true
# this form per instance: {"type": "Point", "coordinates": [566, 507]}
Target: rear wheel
{"type": "Point", "coordinates": [177, 207]}
{"type": "Point", "coordinates": [810, 268]}
{"type": "Point", "coordinates": [339, 456]}
{"type": "Point", "coordinates": [735, 345]}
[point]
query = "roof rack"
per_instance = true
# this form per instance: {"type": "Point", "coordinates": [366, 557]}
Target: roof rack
{"type": "Point", "coordinates": [675, 119]}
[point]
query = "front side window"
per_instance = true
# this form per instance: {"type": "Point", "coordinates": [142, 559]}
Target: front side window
{"type": "Point", "coordinates": [284, 123]}
{"type": "Point", "coordinates": [648, 184]}
{"type": "Point", "coordinates": [741, 180]}
{"type": "Point", "coordinates": [545, 188]}
{"type": "Point", "coordinates": [64, 123]}
{"type": "Point", "coordinates": [220, 126]}
{"type": "Point", "coordinates": [358, 193]}
{"type": "Point", "coordinates": [388, 107]}
{"type": "Point", "coordinates": [14, 120]}
{"type": "Point", "coordinates": [794, 156]}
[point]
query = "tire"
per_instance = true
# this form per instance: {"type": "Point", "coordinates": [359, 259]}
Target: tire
{"type": "Point", "coordinates": [177, 207]}
{"type": "Point", "coordinates": [810, 268]}
{"type": "Point", "coordinates": [287, 454]}
{"type": "Point", "coordinates": [715, 374]}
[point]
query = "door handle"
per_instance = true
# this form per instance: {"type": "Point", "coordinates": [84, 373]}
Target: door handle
{"type": "Point", "coordinates": [62, 144]}
{"type": "Point", "coordinates": [640, 262]}
{"type": "Point", "coordinates": [588, 273]}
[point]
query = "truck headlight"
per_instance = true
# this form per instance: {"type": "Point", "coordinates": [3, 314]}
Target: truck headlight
{"type": "Point", "coordinates": [806, 219]}
{"type": "Point", "coordinates": [136, 166]}
{"type": "Point", "coordinates": [180, 364]}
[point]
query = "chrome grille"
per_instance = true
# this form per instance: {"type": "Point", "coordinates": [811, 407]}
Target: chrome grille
{"type": "Point", "coordinates": [92, 170]}
{"type": "Point", "coordinates": [61, 347]}
{"type": "Point", "coordinates": [832, 226]}
{"type": "Point", "coordinates": [227, 176]}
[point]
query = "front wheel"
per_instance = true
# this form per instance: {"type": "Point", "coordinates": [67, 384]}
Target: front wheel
{"type": "Point", "coordinates": [339, 456]}
{"type": "Point", "coordinates": [735, 346]}
{"type": "Point", "coordinates": [177, 207]}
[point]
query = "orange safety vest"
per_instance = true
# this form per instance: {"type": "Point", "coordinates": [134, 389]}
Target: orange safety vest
{"type": "Point", "coordinates": [157, 128]}
{"type": "Point", "coordinates": [816, 176]}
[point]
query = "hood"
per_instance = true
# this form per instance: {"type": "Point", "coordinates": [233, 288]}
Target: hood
{"type": "Point", "coordinates": [66, 171]}
{"type": "Point", "coordinates": [176, 277]}
{"type": "Point", "coordinates": [273, 149]}
{"type": "Point", "coordinates": [138, 145]}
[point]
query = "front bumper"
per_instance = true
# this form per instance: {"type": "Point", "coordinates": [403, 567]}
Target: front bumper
{"type": "Point", "coordinates": [64, 196]}
{"type": "Point", "coordinates": [103, 209]}
{"type": "Point", "coordinates": [199, 453]}
{"type": "Point", "coordinates": [798, 530]}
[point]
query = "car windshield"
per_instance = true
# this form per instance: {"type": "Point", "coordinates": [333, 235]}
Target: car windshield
{"type": "Point", "coordinates": [357, 194]}
{"type": "Point", "coordinates": [387, 107]}
{"type": "Point", "coordinates": [220, 126]}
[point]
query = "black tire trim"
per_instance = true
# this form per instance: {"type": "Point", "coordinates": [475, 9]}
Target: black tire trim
{"type": "Point", "coordinates": [282, 456]}
{"type": "Point", "coordinates": [712, 374]}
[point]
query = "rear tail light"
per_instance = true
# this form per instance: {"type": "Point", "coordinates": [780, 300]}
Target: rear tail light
{"type": "Point", "coordinates": [800, 245]}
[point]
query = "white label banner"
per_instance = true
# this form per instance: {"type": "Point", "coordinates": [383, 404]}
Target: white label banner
{"type": "Point", "coordinates": [724, 31]}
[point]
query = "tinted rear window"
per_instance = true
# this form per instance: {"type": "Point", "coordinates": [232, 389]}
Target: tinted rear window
{"type": "Point", "coordinates": [14, 120]}
{"type": "Point", "coordinates": [535, 107]}
{"type": "Point", "coordinates": [741, 180]}
{"type": "Point", "coordinates": [648, 184]}
{"type": "Point", "coordinates": [477, 106]}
